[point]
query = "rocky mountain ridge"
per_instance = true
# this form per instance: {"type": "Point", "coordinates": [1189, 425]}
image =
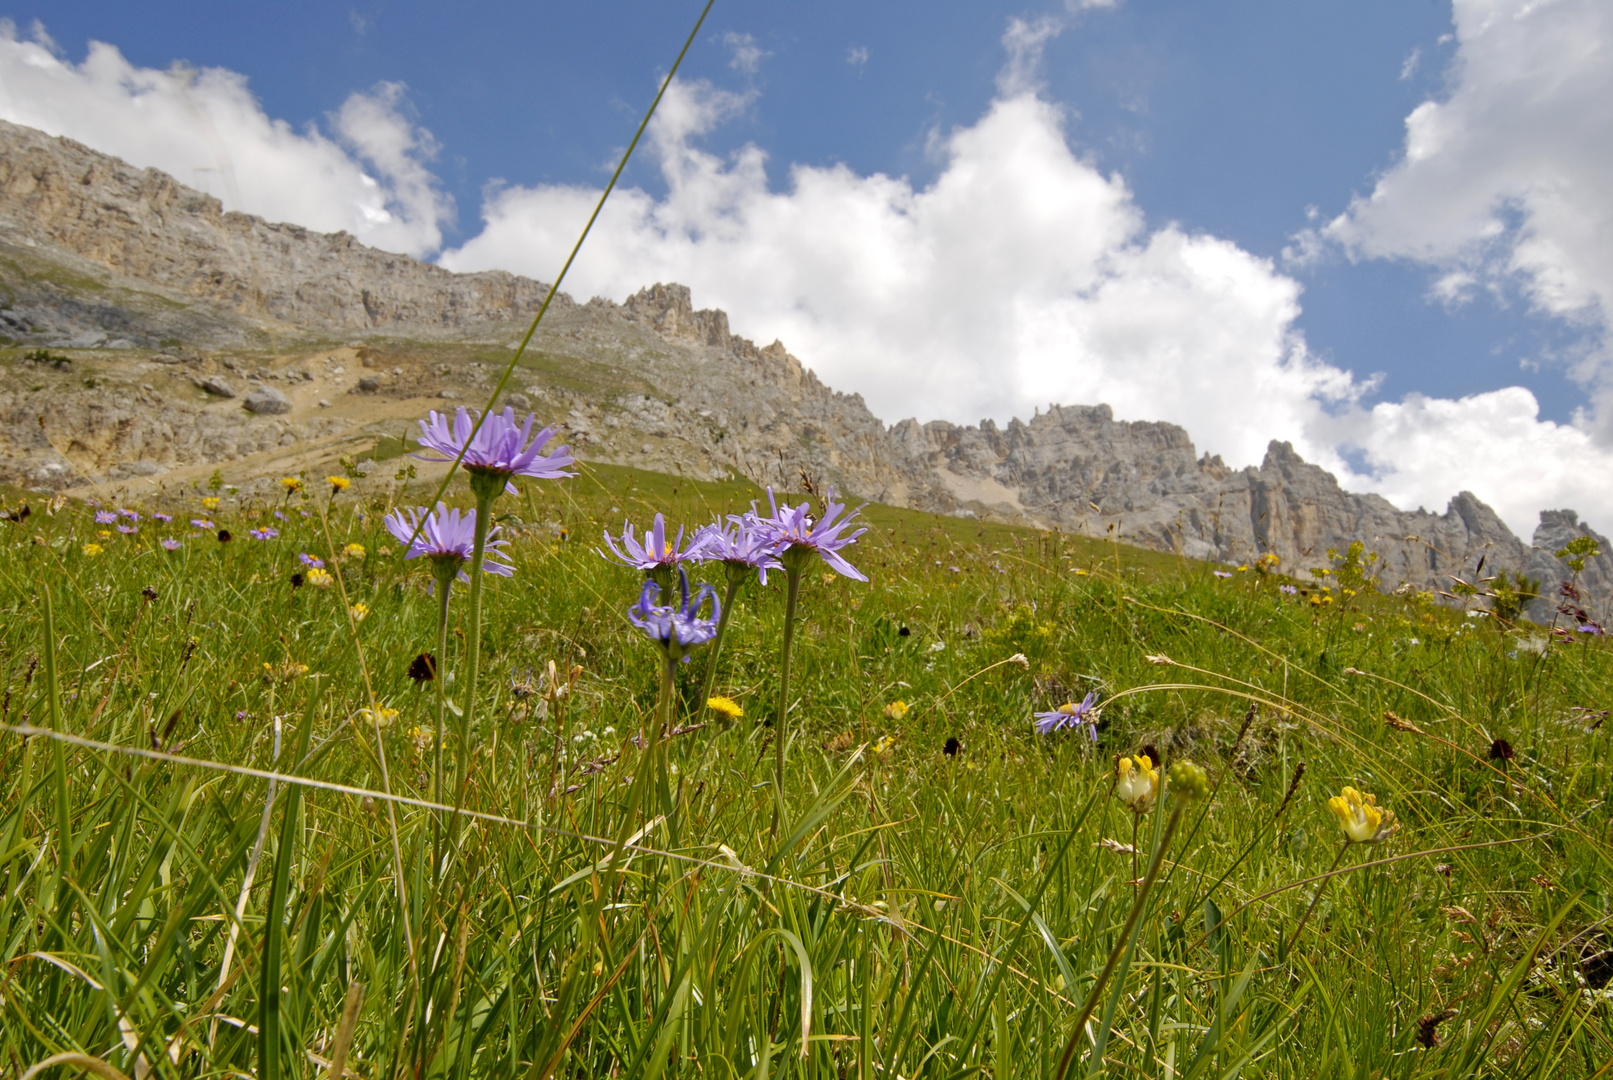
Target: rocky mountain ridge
{"type": "Point", "coordinates": [123, 262]}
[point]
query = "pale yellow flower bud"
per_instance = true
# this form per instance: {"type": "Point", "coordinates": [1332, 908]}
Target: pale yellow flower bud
{"type": "Point", "coordinates": [1363, 821]}
{"type": "Point", "coordinates": [1137, 783]}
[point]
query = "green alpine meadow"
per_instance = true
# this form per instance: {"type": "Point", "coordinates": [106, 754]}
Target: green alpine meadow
{"type": "Point", "coordinates": [255, 823]}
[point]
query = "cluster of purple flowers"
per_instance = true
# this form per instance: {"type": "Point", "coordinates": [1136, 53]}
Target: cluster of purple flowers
{"type": "Point", "coordinates": [676, 629]}
{"type": "Point", "coordinates": [746, 541]}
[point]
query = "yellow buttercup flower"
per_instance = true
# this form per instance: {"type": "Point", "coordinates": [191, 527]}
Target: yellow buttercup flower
{"type": "Point", "coordinates": [725, 707]}
{"type": "Point", "coordinates": [92, 550]}
{"type": "Point", "coordinates": [338, 483]}
{"type": "Point", "coordinates": [290, 483]}
{"type": "Point", "coordinates": [320, 579]}
{"type": "Point", "coordinates": [354, 551]}
{"type": "Point", "coordinates": [896, 710]}
{"type": "Point", "coordinates": [210, 503]}
{"type": "Point", "coordinates": [1361, 818]}
{"type": "Point", "coordinates": [1137, 782]}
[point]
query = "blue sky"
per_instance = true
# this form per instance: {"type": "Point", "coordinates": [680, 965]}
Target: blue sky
{"type": "Point", "coordinates": [1249, 125]}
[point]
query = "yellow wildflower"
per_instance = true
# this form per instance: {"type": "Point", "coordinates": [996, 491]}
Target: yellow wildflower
{"type": "Point", "coordinates": [380, 716]}
{"type": "Point", "coordinates": [1361, 818]}
{"type": "Point", "coordinates": [421, 737]}
{"type": "Point", "coordinates": [283, 672]}
{"type": "Point", "coordinates": [210, 503]}
{"type": "Point", "coordinates": [1137, 782]}
{"type": "Point", "coordinates": [92, 550]}
{"type": "Point", "coordinates": [882, 748]}
{"type": "Point", "coordinates": [896, 710]}
{"type": "Point", "coordinates": [104, 534]}
{"type": "Point", "coordinates": [725, 707]}
{"type": "Point", "coordinates": [354, 551]}
{"type": "Point", "coordinates": [290, 483]}
{"type": "Point", "coordinates": [359, 611]}
{"type": "Point", "coordinates": [338, 483]}
{"type": "Point", "coordinates": [320, 579]}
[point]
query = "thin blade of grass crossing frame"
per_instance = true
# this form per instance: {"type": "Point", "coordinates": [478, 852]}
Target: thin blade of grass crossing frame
{"type": "Point", "coordinates": [269, 1045]}
{"type": "Point", "coordinates": [554, 289]}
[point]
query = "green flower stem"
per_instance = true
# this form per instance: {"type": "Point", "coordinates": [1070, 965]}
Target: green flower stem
{"type": "Point", "coordinates": [735, 579]}
{"type": "Point", "coordinates": [1320, 889]}
{"type": "Point", "coordinates": [794, 564]}
{"type": "Point", "coordinates": [486, 488]}
{"type": "Point", "coordinates": [445, 581]}
{"type": "Point", "coordinates": [1120, 943]}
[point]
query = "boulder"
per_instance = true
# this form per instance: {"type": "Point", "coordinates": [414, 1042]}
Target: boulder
{"type": "Point", "coordinates": [267, 401]}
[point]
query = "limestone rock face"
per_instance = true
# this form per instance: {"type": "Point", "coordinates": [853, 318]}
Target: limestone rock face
{"type": "Point", "coordinates": [151, 278]}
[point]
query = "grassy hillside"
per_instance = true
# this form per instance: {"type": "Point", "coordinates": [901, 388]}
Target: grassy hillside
{"type": "Point", "coordinates": [944, 886]}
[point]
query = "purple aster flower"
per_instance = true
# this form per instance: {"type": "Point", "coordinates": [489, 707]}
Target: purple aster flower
{"type": "Point", "coordinates": [162, 517]}
{"type": "Point", "coordinates": [309, 560]}
{"type": "Point", "coordinates": [1289, 589]}
{"type": "Point", "coordinates": [676, 629]}
{"type": "Point", "coordinates": [793, 529]}
{"type": "Point", "coordinates": [105, 517]}
{"type": "Point", "coordinates": [448, 538]}
{"type": "Point", "coordinates": [499, 449]}
{"type": "Point", "coordinates": [130, 514]}
{"type": "Point", "coordinates": [201, 523]}
{"type": "Point", "coordinates": [170, 543]}
{"type": "Point", "coordinates": [742, 544]}
{"type": "Point", "coordinates": [655, 553]}
{"type": "Point", "coordinates": [127, 529]}
{"type": "Point", "coordinates": [1070, 715]}
{"type": "Point", "coordinates": [264, 534]}
{"type": "Point", "coordinates": [279, 516]}
{"type": "Point", "coordinates": [1221, 573]}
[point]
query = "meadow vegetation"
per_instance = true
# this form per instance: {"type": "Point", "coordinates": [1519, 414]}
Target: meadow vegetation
{"type": "Point", "coordinates": [219, 852]}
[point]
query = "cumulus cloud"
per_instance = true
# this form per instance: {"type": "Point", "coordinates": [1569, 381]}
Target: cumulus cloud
{"type": "Point", "coordinates": [205, 128]}
{"type": "Point", "coordinates": [747, 56]}
{"type": "Point", "coordinates": [1507, 182]}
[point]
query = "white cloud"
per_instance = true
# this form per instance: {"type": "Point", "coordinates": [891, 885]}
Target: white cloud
{"type": "Point", "coordinates": [857, 55]}
{"type": "Point", "coordinates": [1424, 449]}
{"type": "Point", "coordinates": [207, 130]}
{"type": "Point", "coordinates": [1024, 42]}
{"type": "Point", "coordinates": [747, 55]}
{"type": "Point", "coordinates": [1507, 182]}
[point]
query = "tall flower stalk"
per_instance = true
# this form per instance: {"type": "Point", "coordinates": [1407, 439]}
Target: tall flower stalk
{"type": "Point", "coordinates": [447, 539]}
{"type": "Point", "coordinates": [1187, 782]}
{"type": "Point", "coordinates": [741, 549]}
{"type": "Point", "coordinates": [796, 537]}
{"type": "Point", "coordinates": [493, 455]}
{"type": "Point", "coordinates": [675, 630]}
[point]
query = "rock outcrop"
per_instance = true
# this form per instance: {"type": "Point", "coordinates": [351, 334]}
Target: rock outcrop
{"type": "Point", "coordinates": [99, 255]}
